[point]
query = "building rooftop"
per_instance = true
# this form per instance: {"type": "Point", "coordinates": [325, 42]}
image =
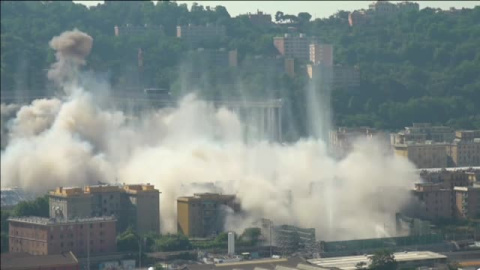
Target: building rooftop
{"type": "Point", "coordinates": [27, 261]}
{"type": "Point", "coordinates": [53, 221]}
{"type": "Point", "coordinates": [89, 190]}
{"type": "Point", "coordinates": [350, 261]}
{"type": "Point", "coordinates": [267, 264]}
{"type": "Point", "coordinates": [206, 196]}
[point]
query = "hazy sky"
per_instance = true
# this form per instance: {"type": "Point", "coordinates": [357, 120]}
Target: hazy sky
{"type": "Point", "coordinates": [319, 9]}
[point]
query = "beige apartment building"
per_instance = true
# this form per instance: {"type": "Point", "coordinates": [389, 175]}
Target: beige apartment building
{"type": "Point", "coordinates": [424, 155]}
{"type": "Point", "coordinates": [203, 214]}
{"type": "Point", "coordinates": [132, 205]}
{"type": "Point", "coordinates": [465, 149]}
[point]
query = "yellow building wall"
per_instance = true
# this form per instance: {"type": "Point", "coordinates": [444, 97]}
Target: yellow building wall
{"type": "Point", "coordinates": [183, 221]}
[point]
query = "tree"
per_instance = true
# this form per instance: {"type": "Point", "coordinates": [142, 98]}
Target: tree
{"type": "Point", "coordinates": [383, 260]}
{"type": "Point", "coordinates": [127, 241]}
{"type": "Point", "coordinates": [361, 265]}
{"type": "Point", "coordinates": [304, 17]}
{"type": "Point", "coordinates": [251, 235]}
{"type": "Point", "coordinates": [172, 242]}
{"type": "Point", "coordinates": [38, 207]}
{"type": "Point", "coordinates": [279, 16]}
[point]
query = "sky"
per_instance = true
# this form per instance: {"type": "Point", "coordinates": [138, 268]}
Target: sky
{"type": "Point", "coordinates": [318, 9]}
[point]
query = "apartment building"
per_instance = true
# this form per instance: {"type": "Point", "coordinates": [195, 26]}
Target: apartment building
{"type": "Point", "coordinates": [467, 202]}
{"type": "Point", "coordinates": [213, 57]}
{"type": "Point", "coordinates": [195, 34]}
{"type": "Point", "coordinates": [437, 202]}
{"type": "Point", "coordinates": [465, 149]}
{"type": "Point", "coordinates": [260, 18]}
{"type": "Point", "coordinates": [46, 236]}
{"type": "Point", "coordinates": [294, 46]}
{"type": "Point", "coordinates": [321, 54]}
{"type": "Point", "coordinates": [131, 30]}
{"type": "Point", "coordinates": [424, 155]}
{"type": "Point", "coordinates": [358, 17]}
{"type": "Point", "coordinates": [337, 76]}
{"type": "Point", "coordinates": [421, 132]}
{"type": "Point", "coordinates": [126, 202]}
{"type": "Point", "coordinates": [341, 139]}
{"type": "Point", "coordinates": [203, 214]}
{"type": "Point", "coordinates": [383, 8]}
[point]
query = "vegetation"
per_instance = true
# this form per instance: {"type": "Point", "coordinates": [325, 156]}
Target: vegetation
{"type": "Point", "coordinates": [383, 260]}
{"type": "Point", "coordinates": [415, 67]}
{"type": "Point", "coordinates": [37, 207]}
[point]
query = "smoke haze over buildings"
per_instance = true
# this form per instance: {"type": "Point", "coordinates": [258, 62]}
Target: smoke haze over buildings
{"type": "Point", "coordinates": [75, 141]}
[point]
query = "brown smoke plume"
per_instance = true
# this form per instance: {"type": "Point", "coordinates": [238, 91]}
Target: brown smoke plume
{"type": "Point", "coordinates": [71, 49]}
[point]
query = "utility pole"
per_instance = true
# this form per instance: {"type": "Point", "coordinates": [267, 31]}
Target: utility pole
{"type": "Point", "coordinates": [88, 248]}
{"type": "Point", "coordinates": [270, 239]}
{"type": "Point", "coordinates": [140, 252]}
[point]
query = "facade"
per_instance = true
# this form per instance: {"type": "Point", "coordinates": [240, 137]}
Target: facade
{"type": "Point", "coordinates": [408, 6]}
{"type": "Point", "coordinates": [293, 46]}
{"type": "Point", "coordinates": [467, 202]}
{"type": "Point", "coordinates": [125, 202]}
{"type": "Point", "coordinates": [358, 17]}
{"type": "Point", "coordinates": [130, 30]}
{"type": "Point", "coordinates": [424, 155]}
{"type": "Point", "coordinates": [448, 179]}
{"type": "Point", "coordinates": [338, 76]}
{"type": "Point", "coordinates": [209, 57]}
{"type": "Point", "coordinates": [321, 54]}
{"type": "Point", "coordinates": [44, 236]}
{"type": "Point", "coordinates": [290, 67]}
{"type": "Point", "coordinates": [291, 238]}
{"type": "Point", "coordinates": [143, 208]}
{"type": "Point", "coordinates": [383, 8]}
{"type": "Point", "coordinates": [465, 149]}
{"type": "Point", "coordinates": [421, 132]}
{"type": "Point", "coordinates": [25, 261]}
{"type": "Point", "coordinates": [341, 139]}
{"type": "Point", "coordinates": [437, 202]}
{"type": "Point", "coordinates": [70, 202]}
{"type": "Point", "coordinates": [203, 214]}
{"type": "Point", "coordinates": [260, 18]}
{"type": "Point", "coordinates": [195, 34]}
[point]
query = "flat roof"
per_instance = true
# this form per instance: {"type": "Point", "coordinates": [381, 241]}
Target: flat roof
{"type": "Point", "coordinates": [268, 263]}
{"type": "Point", "coordinates": [53, 221]}
{"type": "Point", "coordinates": [27, 261]}
{"type": "Point", "coordinates": [349, 262]}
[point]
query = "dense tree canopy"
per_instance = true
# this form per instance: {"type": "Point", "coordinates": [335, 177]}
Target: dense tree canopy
{"type": "Point", "coordinates": [415, 67]}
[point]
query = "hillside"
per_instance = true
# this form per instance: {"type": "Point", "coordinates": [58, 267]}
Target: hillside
{"type": "Point", "coordinates": [416, 67]}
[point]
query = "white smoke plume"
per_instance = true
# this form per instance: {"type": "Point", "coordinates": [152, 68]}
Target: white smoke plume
{"type": "Point", "coordinates": [71, 49]}
{"type": "Point", "coordinates": [183, 150]}
{"type": "Point", "coordinates": [7, 112]}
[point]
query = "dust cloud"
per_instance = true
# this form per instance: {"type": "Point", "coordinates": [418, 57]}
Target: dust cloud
{"type": "Point", "coordinates": [195, 147]}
